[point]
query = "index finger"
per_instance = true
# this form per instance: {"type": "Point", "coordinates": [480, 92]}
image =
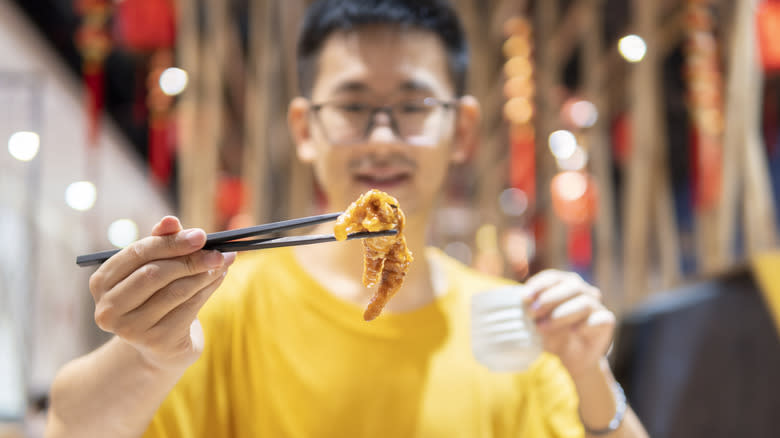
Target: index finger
{"type": "Point", "coordinates": [541, 282]}
{"type": "Point", "coordinates": [147, 249]}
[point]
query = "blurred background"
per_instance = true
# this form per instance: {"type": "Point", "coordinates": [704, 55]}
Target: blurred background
{"type": "Point", "coordinates": [635, 142]}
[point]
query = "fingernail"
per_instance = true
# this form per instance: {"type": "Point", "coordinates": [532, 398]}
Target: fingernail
{"type": "Point", "coordinates": [214, 259]}
{"type": "Point", "coordinates": [194, 237]}
{"type": "Point", "coordinates": [536, 305]}
{"type": "Point", "coordinates": [230, 257]}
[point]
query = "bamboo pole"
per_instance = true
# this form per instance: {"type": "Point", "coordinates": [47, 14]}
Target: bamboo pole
{"type": "Point", "coordinates": [553, 253]}
{"type": "Point", "coordinates": [665, 221]}
{"type": "Point", "coordinates": [300, 176]}
{"type": "Point", "coordinates": [759, 220]}
{"type": "Point", "coordinates": [189, 131]}
{"type": "Point", "coordinates": [259, 75]}
{"type": "Point", "coordinates": [744, 162]}
{"type": "Point", "coordinates": [637, 196]}
{"type": "Point", "coordinates": [600, 161]}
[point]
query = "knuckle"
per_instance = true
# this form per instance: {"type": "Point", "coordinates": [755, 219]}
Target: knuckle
{"type": "Point", "coordinates": [176, 293]}
{"type": "Point", "coordinates": [96, 281]}
{"type": "Point", "coordinates": [191, 263]}
{"type": "Point", "coordinates": [169, 241]}
{"type": "Point", "coordinates": [139, 249]}
{"type": "Point", "coordinates": [150, 272]}
{"type": "Point", "coordinates": [105, 317]}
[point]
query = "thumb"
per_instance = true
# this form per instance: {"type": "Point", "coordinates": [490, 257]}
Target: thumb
{"type": "Point", "coordinates": [167, 225]}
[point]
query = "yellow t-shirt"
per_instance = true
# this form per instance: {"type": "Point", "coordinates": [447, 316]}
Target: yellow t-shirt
{"type": "Point", "coordinates": [285, 358]}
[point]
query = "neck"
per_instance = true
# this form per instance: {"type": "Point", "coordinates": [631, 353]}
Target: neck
{"type": "Point", "coordinates": [338, 267]}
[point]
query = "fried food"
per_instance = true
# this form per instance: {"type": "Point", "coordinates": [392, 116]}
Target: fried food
{"type": "Point", "coordinates": [387, 258]}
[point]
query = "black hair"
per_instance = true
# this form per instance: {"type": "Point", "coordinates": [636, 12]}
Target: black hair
{"type": "Point", "coordinates": [324, 17]}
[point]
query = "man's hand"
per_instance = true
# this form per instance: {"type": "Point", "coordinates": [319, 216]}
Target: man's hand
{"type": "Point", "coordinates": [570, 318]}
{"type": "Point", "coordinates": [149, 293]}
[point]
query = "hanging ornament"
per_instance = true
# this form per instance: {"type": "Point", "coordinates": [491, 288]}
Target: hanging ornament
{"type": "Point", "coordinates": [705, 105]}
{"type": "Point", "coordinates": [148, 28]}
{"type": "Point", "coordinates": [94, 43]}
{"type": "Point", "coordinates": [519, 107]}
{"type": "Point", "coordinates": [768, 28]}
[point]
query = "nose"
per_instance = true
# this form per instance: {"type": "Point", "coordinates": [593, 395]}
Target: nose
{"type": "Point", "coordinates": [381, 129]}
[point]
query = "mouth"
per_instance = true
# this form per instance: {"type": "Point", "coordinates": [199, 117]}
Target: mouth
{"type": "Point", "coordinates": [383, 180]}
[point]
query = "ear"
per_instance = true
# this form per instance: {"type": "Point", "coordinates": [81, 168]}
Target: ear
{"type": "Point", "coordinates": [466, 129]}
{"type": "Point", "coordinates": [298, 124]}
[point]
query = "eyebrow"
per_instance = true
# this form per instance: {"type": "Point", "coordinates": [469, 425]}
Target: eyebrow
{"type": "Point", "coordinates": [356, 86]}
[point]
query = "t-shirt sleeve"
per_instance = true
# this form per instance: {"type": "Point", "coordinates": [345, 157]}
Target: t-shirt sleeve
{"type": "Point", "coordinates": [553, 398]}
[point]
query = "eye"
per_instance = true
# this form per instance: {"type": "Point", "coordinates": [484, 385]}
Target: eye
{"type": "Point", "coordinates": [353, 107]}
{"type": "Point", "coordinates": [414, 106]}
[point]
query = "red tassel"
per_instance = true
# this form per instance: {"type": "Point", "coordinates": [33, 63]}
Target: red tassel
{"type": "Point", "coordinates": [580, 245]}
{"type": "Point", "coordinates": [94, 83]}
{"type": "Point", "coordinates": [160, 156]}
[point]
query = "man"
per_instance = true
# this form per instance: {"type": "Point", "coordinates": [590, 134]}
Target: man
{"type": "Point", "coordinates": [282, 349]}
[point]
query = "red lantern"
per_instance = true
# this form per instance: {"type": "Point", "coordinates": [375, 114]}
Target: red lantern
{"type": "Point", "coordinates": [574, 197]}
{"type": "Point", "coordinates": [768, 28]}
{"type": "Point", "coordinates": [146, 25]}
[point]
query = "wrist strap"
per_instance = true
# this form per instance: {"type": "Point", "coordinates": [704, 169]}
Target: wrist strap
{"type": "Point", "coordinates": [620, 411]}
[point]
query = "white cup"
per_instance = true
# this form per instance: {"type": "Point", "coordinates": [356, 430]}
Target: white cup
{"type": "Point", "coordinates": [503, 337]}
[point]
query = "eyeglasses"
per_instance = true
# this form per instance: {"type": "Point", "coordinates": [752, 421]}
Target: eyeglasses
{"type": "Point", "coordinates": [416, 122]}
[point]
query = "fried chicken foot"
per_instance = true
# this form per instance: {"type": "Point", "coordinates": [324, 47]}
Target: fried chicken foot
{"type": "Point", "coordinates": [387, 258]}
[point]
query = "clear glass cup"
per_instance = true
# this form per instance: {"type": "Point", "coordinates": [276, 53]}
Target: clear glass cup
{"type": "Point", "coordinates": [503, 337]}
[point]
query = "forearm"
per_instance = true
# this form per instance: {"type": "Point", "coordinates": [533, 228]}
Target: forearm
{"type": "Point", "coordinates": [109, 392]}
{"type": "Point", "coordinates": [598, 403]}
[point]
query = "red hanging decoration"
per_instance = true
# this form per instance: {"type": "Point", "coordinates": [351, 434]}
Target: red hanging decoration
{"type": "Point", "coordinates": [519, 109]}
{"type": "Point", "coordinates": [146, 25]}
{"type": "Point", "coordinates": [149, 27]}
{"type": "Point", "coordinates": [705, 105]}
{"type": "Point", "coordinates": [574, 197]}
{"type": "Point", "coordinates": [579, 245]}
{"type": "Point", "coordinates": [768, 28]}
{"type": "Point", "coordinates": [94, 43]}
{"type": "Point", "coordinates": [231, 197]}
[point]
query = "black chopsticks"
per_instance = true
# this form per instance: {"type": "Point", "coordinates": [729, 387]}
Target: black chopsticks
{"type": "Point", "coordinates": [225, 241]}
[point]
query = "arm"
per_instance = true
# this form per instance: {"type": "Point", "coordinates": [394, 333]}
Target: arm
{"type": "Point", "coordinates": [598, 404]}
{"type": "Point", "coordinates": [148, 295]}
{"type": "Point", "coordinates": [575, 326]}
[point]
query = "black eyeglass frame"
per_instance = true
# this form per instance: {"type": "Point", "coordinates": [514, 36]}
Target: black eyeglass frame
{"type": "Point", "coordinates": [387, 109]}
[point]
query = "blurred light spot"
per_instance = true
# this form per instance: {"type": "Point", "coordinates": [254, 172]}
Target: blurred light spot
{"type": "Point", "coordinates": [584, 114]}
{"type": "Point", "coordinates": [632, 48]}
{"type": "Point", "coordinates": [571, 185]}
{"type": "Point", "coordinates": [173, 81]}
{"type": "Point", "coordinates": [23, 145]}
{"type": "Point", "coordinates": [513, 202]}
{"type": "Point", "coordinates": [81, 195]}
{"type": "Point", "coordinates": [577, 161]}
{"type": "Point", "coordinates": [562, 144]}
{"type": "Point", "coordinates": [518, 110]}
{"type": "Point", "coordinates": [487, 238]}
{"type": "Point", "coordinates": [122, 232]}
{"type": "Point", "coordinates": [459, 251]}
{"type": "Point", "coordinates": [518, 66]}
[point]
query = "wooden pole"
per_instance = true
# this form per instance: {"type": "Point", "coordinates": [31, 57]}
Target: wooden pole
{"type": "Point", "coordinates": [553, 253]}
{"type": "Point", "coordinates": [744, 163]}
{"type": "Point", "coordinates": [638, 197]}
{"type": "Point", "coordinates": [759, 222]}
{"type": "Point", "coordinates": [259, 78]}
{"type": "Point", "coordinates": [189, 130]}
{"type": "Point", "coordinates": [597, 139]}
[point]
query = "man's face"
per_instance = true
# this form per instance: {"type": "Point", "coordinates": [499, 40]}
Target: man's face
{"type": "Point", "coordinates": [405, 151]}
